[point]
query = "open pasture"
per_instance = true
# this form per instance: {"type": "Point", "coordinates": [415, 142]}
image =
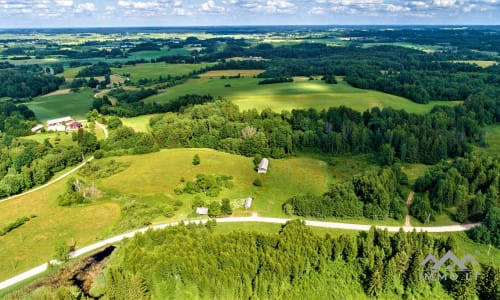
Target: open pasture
{"type": "Point", "coordinates": [247, 94]}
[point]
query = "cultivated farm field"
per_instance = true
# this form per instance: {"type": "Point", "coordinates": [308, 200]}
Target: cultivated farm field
{"type": "Point", "coordinates": [75, 105]}
{"type": "Point", "coordinates": [155, 70]}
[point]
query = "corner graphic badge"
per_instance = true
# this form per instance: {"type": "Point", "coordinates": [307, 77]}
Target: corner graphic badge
{"type": "Point", "coordinates": [448, 267]}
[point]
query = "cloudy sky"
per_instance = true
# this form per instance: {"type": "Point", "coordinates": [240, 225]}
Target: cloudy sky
{"type": "Point", "coordinates": [105, 13]}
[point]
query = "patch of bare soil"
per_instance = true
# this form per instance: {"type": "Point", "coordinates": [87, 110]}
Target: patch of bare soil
{"type": "Point", "coordinates": [58, 92]}
{"type": "Point", "coordinates": [80, 273]}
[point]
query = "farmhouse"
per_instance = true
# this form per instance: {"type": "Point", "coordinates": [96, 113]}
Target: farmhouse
{"type": "Point", "coordinates": [63, 124]}
{"type": "Point", "coordinates": [263, 165]}
{"type": "Point", "coordinates": [248, 202]}
{"type": "Point", "coordinates": [202, 210]}
{"type": "Point", "coordinates": [75, 125]}
{"type": "Point", "coordinates": [60, 121]}
{"type": "Point", "coordinates": [59, 124]}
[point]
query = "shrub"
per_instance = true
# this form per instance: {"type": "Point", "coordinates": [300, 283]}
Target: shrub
{"type": "Point", "coordinates": [257, 182]}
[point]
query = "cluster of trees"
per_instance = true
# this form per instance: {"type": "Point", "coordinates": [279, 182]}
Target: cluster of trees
{"type": "Point", "coordinates": [489, 231]}
{"type": "Point", "coordinates": [27, 81]}
{"type": "Point", "coordinates": [188, 261]}
{"type": "Point", "coordinates": [445, 132]}
{"type": "Point", "coordinates": [211, 185]}
{"type": "Point", "coordinates": [16, 120]}
{"type": "Point", "coordinates": [77, 192]}
{"type": "Point", "coordinates": [99, 69]}
{"type": "Point", "coordinates": [102, 169]}
{"type": "Point", "coordinates": [131, 96]}
{"type": "Point", "coordinates": [276, 80]}
{"type": "Point", "coordinates": [25, 164]}
{"type": "Point", "coordinates": [124, 140]}
{"type": "Point", "coordinates": [131, 109]}
{"type": "Point", "coordinates": [91, 83]}
{"type": "Point", "coordinates": [375, 195]}
{"type": "Point", "coordinates": [470, 184]}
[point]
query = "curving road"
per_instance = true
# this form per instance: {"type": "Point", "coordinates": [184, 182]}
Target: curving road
{"type": "Point", "coordinates": [103, 128]}
{"type": "Point", "coordinates": [42, 268]}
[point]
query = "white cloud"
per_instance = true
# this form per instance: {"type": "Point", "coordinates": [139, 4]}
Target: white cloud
{"type": "Point", "coordinates": [179, 11]}
{"type": "Point", "coordinates": [138, 4]}
{"type": "Point", "coordinates": [85, 7]}
{"type": "Point", "coordinates": [110, 8]}
{"type": "Point", "coordinates": [444, 3]}
{"type": "Point", "coordinates": [317, 11]}
{"type": "Point", "coordinates": [270, 6]}
{"type": "Point", "coordinates": [211, 7]}
{"type": "Point", "coordinates": [66, 3]}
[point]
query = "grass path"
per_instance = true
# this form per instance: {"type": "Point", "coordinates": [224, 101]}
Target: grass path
{"type": "Point", "coordinates": [408, 203]}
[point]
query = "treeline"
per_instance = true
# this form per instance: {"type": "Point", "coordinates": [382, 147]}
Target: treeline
{"type": "Point", "coordinates": [136, 107]}
{"type": "Point", "coordinates": [397, 135]}
{"type": "Point", "coordinates": [275, 80]}
{"type": "Point", "coordinates": [405, 72]}
{"type": "Point", "coordinates": [375, 195]}
{"type": "Point", "coordinates": [473, 39]}
{"type": "Point", "coordinates": [131, 96]}
{"type": "Point", "coordinates": [26, 163]}
{"type": "Point", "coordinates": [99, 69]}
{"type": "Point", "coordinates": [188, 261]}
{"type": "Point", "coordinates": [27, 81]}
{"type": "Point", "coordinates": [16, 120]}
{"type": "Point", "coordinates": [470, 184]}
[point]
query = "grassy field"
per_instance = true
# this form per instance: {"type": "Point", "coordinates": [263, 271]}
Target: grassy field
{"type": "Point", "coordinates": [33, 243]}
{"type": "Point", "coordinates": [155, 70]}
{"type": "Point", "coordinates": [140, 123]}
{"type": "Point", "coordinates": [161, 173]}
{"type": "Point", "coordinates": [55, 138]}
{"type": "Point", "coordinates": [151, 178]}
{"type": "Point", "coordinates": [246, 93]}
{"type": "Point", "coordinates": [493, 140]}
{"type": "Point", "coordinates": [75, 105]}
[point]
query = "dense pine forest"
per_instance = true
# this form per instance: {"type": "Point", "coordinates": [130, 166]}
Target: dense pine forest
{"type": "Point", "coordinates": [191, 262]}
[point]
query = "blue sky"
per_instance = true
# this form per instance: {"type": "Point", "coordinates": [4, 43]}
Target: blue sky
{"type": "Point", "coordinates": [105, 13]}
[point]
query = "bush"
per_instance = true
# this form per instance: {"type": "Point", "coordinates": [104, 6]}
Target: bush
{"type": "Point", "coordinates": [196, 160]}
{"type": "Point", "coordinates": [257, 182]}
{"type": "Point", "coordinates": [99, 154]}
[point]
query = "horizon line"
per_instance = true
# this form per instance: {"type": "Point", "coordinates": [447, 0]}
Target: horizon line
{"type": "Point", "coordinates": [257, 25]}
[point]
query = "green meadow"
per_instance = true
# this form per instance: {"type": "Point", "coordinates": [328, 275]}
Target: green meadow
{"type": "Point", "coordinates": [140, 123]}
{"type": "Point", "coordinates": [302, 93]}
{"type": "Point", "coordinates": [161, 172]}
{"type": "Point", "coordinates": [493, 140]}
{"type": "Point", "coordinates": [155, 70]}
{"type": "Point", "coordinates": [151, 179]}
{"type": "Point", "coordinates": [75, 105]}
{"type": "Point", "coordinates": [33, 243]}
